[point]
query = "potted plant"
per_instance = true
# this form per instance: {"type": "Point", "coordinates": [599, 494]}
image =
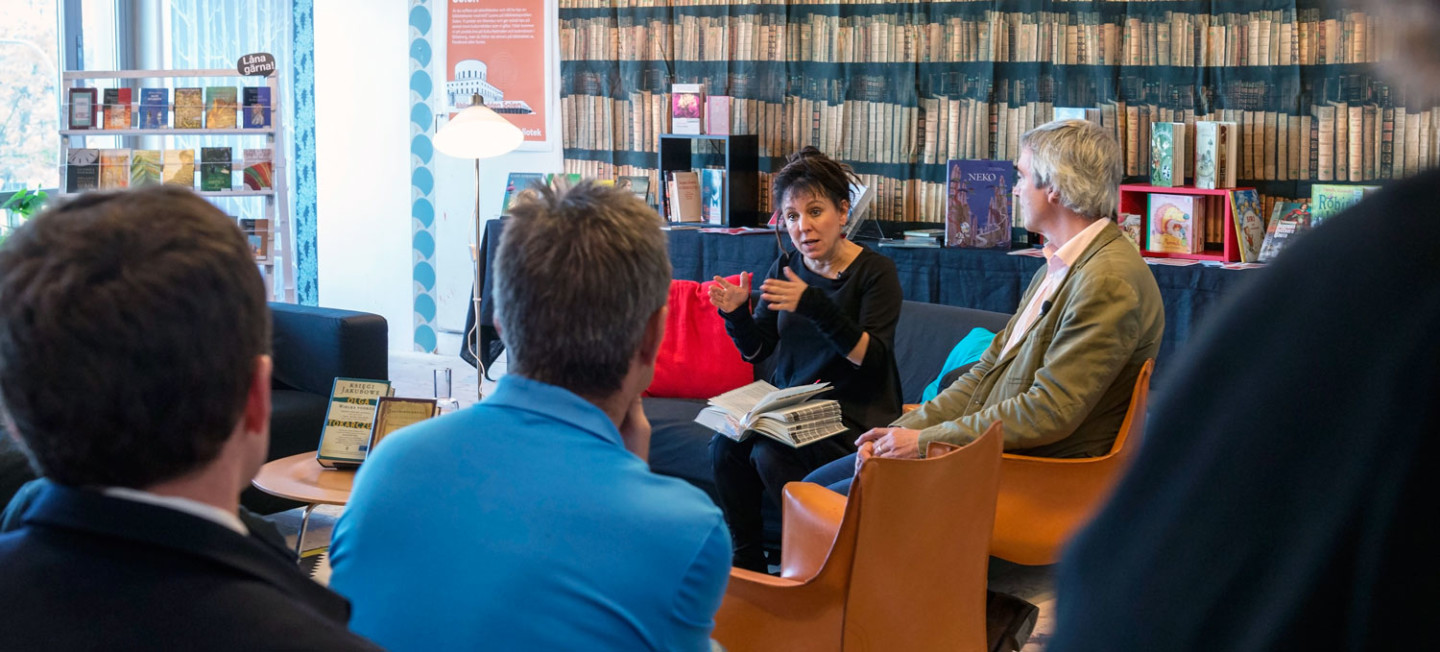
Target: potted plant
{"type": "Point", "coordinates": [22, 204]}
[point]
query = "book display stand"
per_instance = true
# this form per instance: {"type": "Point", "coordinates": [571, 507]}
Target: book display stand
{"type": "Point", "coordinates": [741, 161]}
{"type": "Point", "coordinates": [1134, 198]}
{"type": "Point", "coordinates": [271, 244]}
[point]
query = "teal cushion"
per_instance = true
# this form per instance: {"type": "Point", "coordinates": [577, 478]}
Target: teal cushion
{"type": "Point", "coordinates": [966, 352]}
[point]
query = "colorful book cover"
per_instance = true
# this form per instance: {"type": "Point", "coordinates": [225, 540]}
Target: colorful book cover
{"type": "Point", "coordinates": [1216, 149]}
{"type": "Point", "coordinates": [1133, 227]}
{"type": "Point", "coordinates": [114, 168]}
{"type": "Point", "coordinates": [259, 168]}
{"type": "Point", "coordinates": [144, 167]}
{"type": "Point", "coordinates": [1174, 225]}
{"type": "Point", "coordinates": [1288, 221]}
{"type": "Point", "coordinates": [1167, 154]}
{"type": "Point", "coordinates": [179, 167]}
{"type": "Point", "coordinates": [257, 107]}
{"type": "Point", "coordinates": [687, 108]}
{"type": "Point", "coordinates": [117, 108]}
{"type": "Point", "coordinates": [215, 168]}
{"type": "Point", "coordinates": [712, 194]}
{"type": "Point", "coordinates": [1249, 223]}
{"type": "Point", "coordinates": [638, 185]}
{"type": "Point", "coordinates": [82, 171]}
{"type": "Point", "coordinates": [563, 181]}
{"type": "Point", "coordinates": [220, 105]}
{"type": "Point", "coordinates": [82, 108]}
{"type": "Point", "coordinates": [977, 203]}
{"type": "Point", "coordinates": [257, 232]}
{"type": "Point", "coordinates": [1328, 200]}
{"type": "Point", "coordinates": [189, 105]}
{"type": "Point", "coordinates": [520, 185]}
{"type": "Point", "coordinates": [154, 108]}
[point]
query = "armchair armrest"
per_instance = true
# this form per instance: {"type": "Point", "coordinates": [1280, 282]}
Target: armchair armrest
{"type": "Point", "coordinates": [311, 346]}
{"type": "Point", "coordinates": [812, 517]}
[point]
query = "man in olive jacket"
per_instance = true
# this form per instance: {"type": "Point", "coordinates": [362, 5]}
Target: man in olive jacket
{"type": "Point", "coordinates": [1059, 377]}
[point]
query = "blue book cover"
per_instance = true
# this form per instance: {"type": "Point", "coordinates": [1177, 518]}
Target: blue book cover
{"type": "Point", "coordinates": [256, 104]}
{"type": "Point", "coordinates": [154, 108]}
{"type": "Point", "coordinates": [977, 203]}
{"type": "Point", "coordinates": [712, 194]}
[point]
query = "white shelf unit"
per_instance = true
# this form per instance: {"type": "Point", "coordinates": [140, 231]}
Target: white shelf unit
{"type": "Point", "coordinates": [279, 283]}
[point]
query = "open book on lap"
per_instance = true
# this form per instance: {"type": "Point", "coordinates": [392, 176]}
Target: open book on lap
{"type": "Point", "coordinates": [788, 416]}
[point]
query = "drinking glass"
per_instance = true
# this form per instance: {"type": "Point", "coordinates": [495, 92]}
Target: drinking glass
{"type": "Point", "coordinates": [443, 399]}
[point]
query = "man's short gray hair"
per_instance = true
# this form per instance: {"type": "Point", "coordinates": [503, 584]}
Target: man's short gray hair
{"type": "Point", "coordinates": [576, 277]}
{"type": "Point", "coordinates": [1079, 160]}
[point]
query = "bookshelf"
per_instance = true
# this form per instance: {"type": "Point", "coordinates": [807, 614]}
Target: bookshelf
{"type": "Point", "coordinates": [897, 89]}
{"type": "Point", "coordinates": [276, 242]}
{"type": "Point", "coordinates": [738, 157]}
{"type": "Point", "coordinates": [1134, 198]}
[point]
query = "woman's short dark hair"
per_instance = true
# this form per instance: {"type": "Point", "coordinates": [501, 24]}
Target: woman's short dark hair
{"type": "Point", "coordinates": [130, 323]}
{"type": "Point", "coordinates": [810, 170]}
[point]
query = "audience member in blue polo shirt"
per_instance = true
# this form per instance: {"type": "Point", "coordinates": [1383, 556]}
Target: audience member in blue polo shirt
{"type": "Point", "coordinates": [531, 520]}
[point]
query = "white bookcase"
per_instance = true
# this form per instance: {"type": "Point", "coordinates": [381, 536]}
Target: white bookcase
{"type": "Point", "coordinates": [278, 267]}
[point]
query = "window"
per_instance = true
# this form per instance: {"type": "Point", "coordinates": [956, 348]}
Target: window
{"type": "Point", "coordinates": [29, 103]}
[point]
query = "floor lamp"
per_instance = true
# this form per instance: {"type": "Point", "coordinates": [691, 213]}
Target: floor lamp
{"type": "Point", "coordinates": [475, 133]}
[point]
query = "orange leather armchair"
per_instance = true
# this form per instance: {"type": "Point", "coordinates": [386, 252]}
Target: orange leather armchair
{"type": "Point", "coordinates": [1044, 501]}
{"type": "Point", "coordinates": [900, 566]}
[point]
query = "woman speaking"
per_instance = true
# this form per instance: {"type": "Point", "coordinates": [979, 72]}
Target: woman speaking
{"type": "Point", "coordinates": [826, 315]}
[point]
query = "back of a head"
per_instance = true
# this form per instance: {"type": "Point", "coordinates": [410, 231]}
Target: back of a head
{"type": "Point", "coordinates": [1081, 161]}
{"type": "Point", "coordinates": [577, 275]}
{"type": "Point", "coordinates": [129, 326]}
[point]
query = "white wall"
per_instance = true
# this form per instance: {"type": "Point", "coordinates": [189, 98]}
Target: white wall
{"type": "Point", "coordinates": [363, 163]}
{"type": "Point", "coordinates": [363, 160]}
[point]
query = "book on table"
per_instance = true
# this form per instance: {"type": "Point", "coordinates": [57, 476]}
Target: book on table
{"type": "Point", "coordinates": [789, 415]}
{"type": "Point", "coordinates": [349, 420]}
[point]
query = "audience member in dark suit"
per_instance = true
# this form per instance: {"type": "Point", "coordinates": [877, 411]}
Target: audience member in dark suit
{"type": "Point", "coordinates": [135, 370]}
{"type": "Point", "coordinates": [1284, 497]}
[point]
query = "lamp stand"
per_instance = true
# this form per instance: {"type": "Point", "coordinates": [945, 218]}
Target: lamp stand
{"type": "Point", "coordinates": [478, 291]}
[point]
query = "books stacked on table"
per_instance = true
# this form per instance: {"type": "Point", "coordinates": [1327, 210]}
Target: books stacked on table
{"type": "Point", "coordinates": [789, 416]}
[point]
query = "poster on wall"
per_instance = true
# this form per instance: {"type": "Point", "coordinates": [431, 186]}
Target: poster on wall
{"type": "Point", "coordinates": [497, 49]}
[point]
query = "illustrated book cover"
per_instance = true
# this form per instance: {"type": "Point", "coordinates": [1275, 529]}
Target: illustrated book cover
{"type": "Point", "coordinates": [687, 108]}
{"type": "Point", "coordinates": [82, 171]}
{"type": "Point", "coordinates": [179, 167]}
{"type": "Point", "coordinates": [1287, 222]}
{"type": "Point", "coordinates": [712, 189]}
{"type": "Point", "coordinates": [257, 233]}
{"type": "Point", "coordinates": [220, 105]}
{"type": "Point", "coordinates": [154, 108]}
{"type": "Point", "coordinates": [1249, 223]}
{"type": "Point", "coordinates": [114, 168]}
{"type": "Point", "coordinates": [788, 416]}
{"type": "Point", "coordinates": [1167, 154]}
{"type": "Point", "coordinates": [117, 108]}
{"type": "Point", "coordinates": [1175, 224]}
{"type": "Point", "coordinates": [638, 185]}
{"type": "Point", "coordinates": [259, 169]}
{"type": "Point", "coordinates": [1328, 200]}
{"type": "Point", "coordinates": [215, 168]}
{"type": "Point", "coordinates": [978, 203]}
{"type": "Point", "coordinates": [345, 436]}
{"type": "Point", "coordinates": [189, 107]}
{"type": "Point", "coordinates": [1216, 154]}
{"type": "Point", "coordinates": [256, 106]}
{"type": "Point", "coordinates": [82, 108]}
{"type": "Point", "coordinates": [145, 167]}
{"type": "Point", "coordinates": [518, 185]}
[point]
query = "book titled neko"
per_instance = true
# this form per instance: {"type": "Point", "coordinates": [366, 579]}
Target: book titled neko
{"type": "Point", "coordinates": [785, 415]}
{"type": "Point", "coordinates": [349, 419]}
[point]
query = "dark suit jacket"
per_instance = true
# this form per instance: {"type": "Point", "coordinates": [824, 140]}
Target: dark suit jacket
{"type": "Point", "coordinates": [91, 572]}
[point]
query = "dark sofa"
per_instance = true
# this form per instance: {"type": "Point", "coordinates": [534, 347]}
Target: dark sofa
{"type": "Point", "coordinates": [926, 332]}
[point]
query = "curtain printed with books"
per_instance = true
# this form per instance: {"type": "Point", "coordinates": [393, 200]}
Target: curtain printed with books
{"type": "Point", "coordinates": [896, 89]}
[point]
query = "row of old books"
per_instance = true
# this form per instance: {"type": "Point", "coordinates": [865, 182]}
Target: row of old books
{"type": "Point", "coordinates": [99, 169]}
{"type": "Point", "coordinates": [1267, 37]}
{"type": "Point", "coordinates": [213, 107]}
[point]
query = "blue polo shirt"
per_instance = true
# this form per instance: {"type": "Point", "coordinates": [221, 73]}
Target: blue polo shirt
{"type": "Point", "coordinates": [522, 523]}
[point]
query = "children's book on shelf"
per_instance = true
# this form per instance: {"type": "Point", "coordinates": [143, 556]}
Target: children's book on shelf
{"type": "Point", "coordinates": [257, 232]}
{"type": "Point", "coordinates": [1132, 225]}
{"type": "Point", "coordinates": [179, 167]}
{"type": "Point", "coordinates": [114, 168]}
{"type": "Point", "coordinates": [1287, 222]}
{"type": "Point", "coordinates": [561, 182]}
{"type": "Point", "coordinates": [345, 436]}
{"type": "Point", "coordinates": [82, 170]}
{"type": "Point", "coordinates": [638, 185]}
{"type": "Point", "coordinates": [256, 107]}
{"type": "Point", "coordinates": [977, 203]}
{"type": "Point", "coordinates": [220, 105]}
{"type": "Point", "coordinates": [144, 167]}
{"type": "Point", "coordinates": [1328, 200]}
{"type": "Point", "coordinates": [712, 189]}
{"type": "Point", "coordinates": [684, 197]}
{"type": "Point", "coordinates": [1217, 146]}
{"type": "Point", "coordinates": [520, 185]}
{"type": "Point", "coordinates": [788, 416]}
{"type": "Point", "coordinates": [259, 170]}
{"type": "Point", "coordinates": [117, 108]}
{"type": "Point", "coordinates": [687, 108]}
{"type": "Point", "coordinates": [81, 114]}
{"type": "Point", "coordinates": [154, 108]}
{"type": "Point", "coordinates": [1167, 154]}
{"type": "Point", "coordinates": [189, 106]}
{"type": "Point", "coordinates": [215, 168]}
{"type": "Point", "coordinates": [1175, 224]}
{"type": "Point", "coordinates": [393, 413]}
{"type": "Point", "coordinates": [1249, 223]}
{"type": "Point", "coordinates": [717, 115]}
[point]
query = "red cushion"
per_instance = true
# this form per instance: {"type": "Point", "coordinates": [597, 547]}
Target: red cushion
{"type": "Point", "coordinates": [697, 359]}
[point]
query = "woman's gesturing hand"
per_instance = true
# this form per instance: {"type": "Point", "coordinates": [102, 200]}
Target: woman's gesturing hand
{"type": "Point", "coordinates": [727, 296]}
{"type": "Point", "coordinates": [783, 295]}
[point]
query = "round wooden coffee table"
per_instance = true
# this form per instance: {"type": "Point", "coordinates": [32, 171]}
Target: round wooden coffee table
{"type": "Point", "coordinates": [300, 477]}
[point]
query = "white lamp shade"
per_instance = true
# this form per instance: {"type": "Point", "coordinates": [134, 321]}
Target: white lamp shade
{"type": "Point", "coordinates": [478, 132]}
